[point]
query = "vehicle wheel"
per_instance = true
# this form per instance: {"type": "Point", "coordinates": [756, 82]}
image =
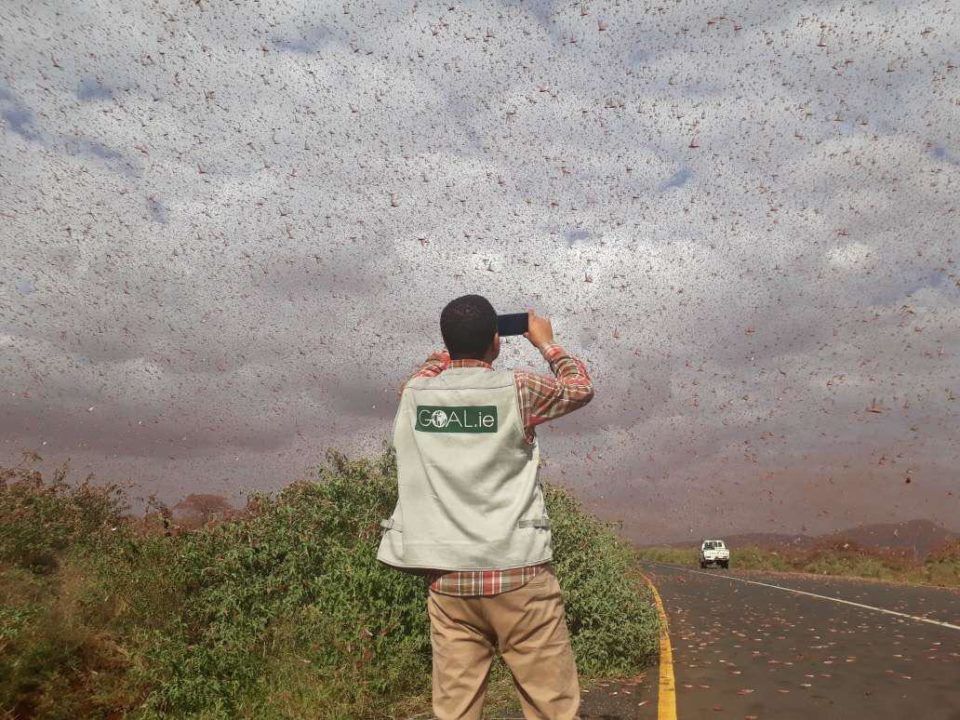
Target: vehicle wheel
{"type": "Point", "coordinates": [702, 565]}
{"type": "Point", "coordinates": [726, 565]}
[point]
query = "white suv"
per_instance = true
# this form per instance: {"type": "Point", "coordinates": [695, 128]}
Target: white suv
{"type": "Point", "coordinates": [714, 552]}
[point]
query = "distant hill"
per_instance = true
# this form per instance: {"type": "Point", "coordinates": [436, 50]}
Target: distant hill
{"type": "Point", "coordinates": [920, 536]}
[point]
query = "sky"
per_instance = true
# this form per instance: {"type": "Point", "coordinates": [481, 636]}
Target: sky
{"type": "Point", "coordinates": [227, 231]}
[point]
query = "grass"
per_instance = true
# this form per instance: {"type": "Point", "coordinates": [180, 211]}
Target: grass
{"type": "Point", "coordinates": [941, 567]}
{"type": "Point", "coordinates": [278, 611]}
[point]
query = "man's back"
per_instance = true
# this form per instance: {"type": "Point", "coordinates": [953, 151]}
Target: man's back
{"type": "Point", "coordinates": [467, 475]}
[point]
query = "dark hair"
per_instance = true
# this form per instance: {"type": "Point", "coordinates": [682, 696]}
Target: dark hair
{"type": "Point", "coordinates": [468, 325]}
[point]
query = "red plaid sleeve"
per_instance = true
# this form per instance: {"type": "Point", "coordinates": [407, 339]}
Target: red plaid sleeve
{"type": "Point", "coordinates": [545, 398]}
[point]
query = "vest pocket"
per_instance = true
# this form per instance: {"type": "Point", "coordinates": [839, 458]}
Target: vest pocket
{"type": "Point", "coordinates": [540, 522]}
{"type": "Point", "coordinates": [391, 524]}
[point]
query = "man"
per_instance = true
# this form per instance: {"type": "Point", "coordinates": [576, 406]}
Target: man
{"type": "Point", "coordinates": [471, 513]}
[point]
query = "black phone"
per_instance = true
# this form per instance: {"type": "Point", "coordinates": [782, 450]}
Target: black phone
{"type": "Point", "coordinates": [512, 324]}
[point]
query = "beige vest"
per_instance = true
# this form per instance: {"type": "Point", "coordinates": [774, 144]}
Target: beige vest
{"type": "Point", "coordinates": [469, 490]}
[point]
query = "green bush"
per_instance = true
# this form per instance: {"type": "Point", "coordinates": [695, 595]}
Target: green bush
{"type": "Point", "coordinates": [41, 521]}
{"type": "Point", "coordinates": [754, 558]}
{"type": "Point", "coordinates": [280, 612]}
{"type": "Point", "coordinates": [942, 565]}
{"type": "Point", "coordinates": [611, 615]}
{"type": "Point", "coordinates": [293, 590]}
{"type": "Point", "coordinates": [671, 555]}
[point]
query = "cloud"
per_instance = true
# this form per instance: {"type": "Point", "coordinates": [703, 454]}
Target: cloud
{"type": "Point", "coordinates": [26, 287]}
{"type": "Point", "coordinates": [575, 235]}
{"type": "Point", "coordinates": [158, 211]}
{"type": "Point", "coordinates": [678, 179]}
{"type": "Point", "coordinates": [18, 118]}
{"type": "Point", "coordinates": [92, 89]}
{"type": "Point", "coordinates": [849, 256]}
{"type": "Point", "coordinates": [941, 153]}
{"type": "Point", "coordinates": [307, 41]}
{"type": "Point", "coordinates": [238, 226]}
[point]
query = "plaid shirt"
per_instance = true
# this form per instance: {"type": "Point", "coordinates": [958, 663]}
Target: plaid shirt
{"type": "Point", "coordinates": [541, 398]}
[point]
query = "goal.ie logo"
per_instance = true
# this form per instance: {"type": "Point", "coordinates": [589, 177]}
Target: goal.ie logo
{"type": "Point", "coordinates": [457, 419]}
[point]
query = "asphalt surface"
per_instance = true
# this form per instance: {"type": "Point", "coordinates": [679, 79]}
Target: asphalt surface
{"type": "Point", "coordinates": [752, 652]}
{"type": "Point", "coordinates": [748, 651]}
{"type": "Point", "coordinates": [631, 698]}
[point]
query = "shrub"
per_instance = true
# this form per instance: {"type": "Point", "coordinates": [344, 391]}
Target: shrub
{"type": "Point", "coordinates": [41, 521]}
{"type": "Point", "coordinates": [942, 566]}
{"type": "Point", "coordinates": [277, 611]}
{"type": "Point", "coordinates": [54, 662]}
{"type": "Point", "coordinates": [613, 621]}
{"type": "Point", "coordinates": [672, 555]}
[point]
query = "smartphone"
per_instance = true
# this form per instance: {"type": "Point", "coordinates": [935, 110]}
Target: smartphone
{"type": "Point", "coordinates": [512, 324]}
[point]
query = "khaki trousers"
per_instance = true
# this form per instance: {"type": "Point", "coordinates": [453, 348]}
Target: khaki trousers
{"type": "Point", "coordinates": [528, 627]}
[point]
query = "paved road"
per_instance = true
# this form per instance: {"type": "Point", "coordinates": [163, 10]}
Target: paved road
{"type": "Point", "coordinates": [744, 650]}
{"type": "Point", "coordinates": [748, 651]}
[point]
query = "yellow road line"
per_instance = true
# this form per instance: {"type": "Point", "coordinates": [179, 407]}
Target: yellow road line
{"type": "Point", "coordinates": [667, 694]}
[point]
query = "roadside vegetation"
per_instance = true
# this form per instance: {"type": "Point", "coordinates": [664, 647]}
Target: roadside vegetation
{"type": "Point", "coordinates": [940, 567]}
{"type": "Point", "coordinates": [280, 610]}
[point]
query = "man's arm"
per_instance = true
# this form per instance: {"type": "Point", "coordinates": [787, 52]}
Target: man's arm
{"type": "Point", "coordinates": [435, 364]}
{"type": "Point", "coordinates": [545, 398]}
